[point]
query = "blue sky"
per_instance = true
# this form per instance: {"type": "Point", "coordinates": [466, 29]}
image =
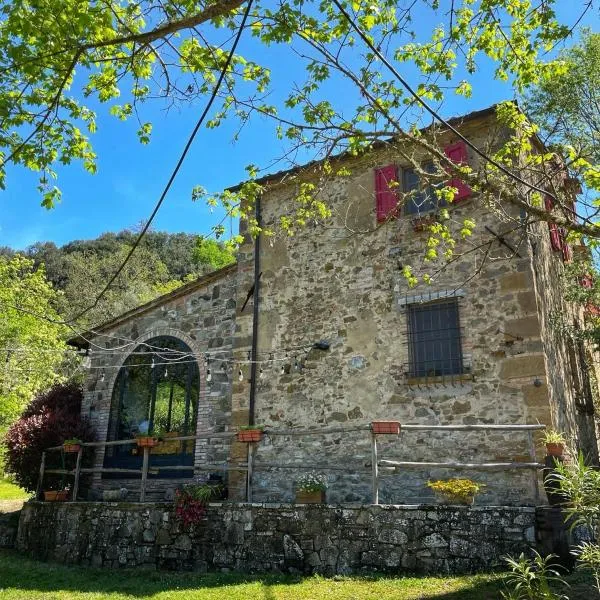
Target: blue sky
{"type": "Point", "coordinates": [131, 176]}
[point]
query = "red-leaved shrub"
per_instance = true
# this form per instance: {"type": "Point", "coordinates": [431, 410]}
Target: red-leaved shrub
{"type": "Point", "coordinates": [51, 417]}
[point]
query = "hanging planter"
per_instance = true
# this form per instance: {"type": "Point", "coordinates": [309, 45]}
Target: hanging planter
{"type": "Point", "coordinates": [386, 427]}
{"type": "Point", "coordinates": [72, 446]}
{"type": "Point", "coordinates": [250, 434]}
{"type": "Point", "coordinates": [555, 443]}
{"type": "Point", "coordinates": [146, 441]}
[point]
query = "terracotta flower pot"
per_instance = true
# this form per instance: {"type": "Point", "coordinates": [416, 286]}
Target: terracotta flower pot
{"type": "Point", "coordinates": [71, 448]}
{"type": "Point", "coordinates": [249, 435]}
{"type": "Point", "coordinates": [555, 449]}
{"type": "Point", "coordinates": [386, 427]}
{"type": "Point", "coordinates": [55, 496]}
{"type": "Point", "coordinates": [146, 441]}
{"type": "Point", "coordinates": [303, 497]}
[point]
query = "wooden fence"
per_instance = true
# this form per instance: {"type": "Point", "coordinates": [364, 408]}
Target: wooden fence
{"type": "Point", "coordinates": [376, 466]}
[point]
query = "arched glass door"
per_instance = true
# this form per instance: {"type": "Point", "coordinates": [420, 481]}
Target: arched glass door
{"type": "Point", "coordinates": [156, 393]}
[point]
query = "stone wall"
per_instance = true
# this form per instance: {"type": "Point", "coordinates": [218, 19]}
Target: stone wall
{"type": "Point", "coordinates": [568, 388]}
{"type": "Point", "coordinates": [9, 522]}
{"type": "Point", "coordinates": [201, 314]}
{"type": "Point", "coordinates": [342, 282]}
{"type": "Point", "coordinates": [280, 538]}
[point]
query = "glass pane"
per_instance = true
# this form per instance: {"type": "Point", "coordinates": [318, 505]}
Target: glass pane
{"type": "Point", "coordinates": [421, 201]}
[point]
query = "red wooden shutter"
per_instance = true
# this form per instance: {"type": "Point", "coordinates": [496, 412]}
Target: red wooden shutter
{"type": "Point", "coordinates": [567, 252]}
{"type": "Point", "coordinates": [457, 153]}
{"type": "Point", "coordinates": [386, 198]}
{"type": "Point", "coordinates": [555, 237]}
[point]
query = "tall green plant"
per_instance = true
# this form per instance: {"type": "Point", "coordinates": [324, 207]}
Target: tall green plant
{"type": "Point", "coordinates": [580, 485]}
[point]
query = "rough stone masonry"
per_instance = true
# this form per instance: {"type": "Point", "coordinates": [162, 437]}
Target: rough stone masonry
{"type": "Point", "coordinates": [278, 537]}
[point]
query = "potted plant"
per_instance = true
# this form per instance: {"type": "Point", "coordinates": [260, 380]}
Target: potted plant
{"type": "Point", "coordinates": [555, 442]}
{"type": "Point", "coordinates": [455, 491]}
{"type": "Point", "coordinates": [72, 445]}
{"type": "Point", "coordinates": [386, 427]}
{"type": "Point", "coordinates": [191, 501]}
{"type": "Point", "coordinates": [250, 433]}
{"type": "Point", "coordinates": [310, 489]}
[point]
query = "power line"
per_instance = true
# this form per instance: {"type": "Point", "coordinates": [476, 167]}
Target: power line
{"type": "Point", "coordinates": [177, 167]}
{"type": "Point", "coordinates": [430, 110]}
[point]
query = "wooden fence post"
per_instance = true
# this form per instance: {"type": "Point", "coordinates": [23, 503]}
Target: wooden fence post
{"type": "Point", "coordinates": [249, 474]}
{"type": "Point", "coordinates": [374, 468]}
{"type": "Point", "coordinates": [77, 473]}
{"type": "Point", "coordinates": [38, 491]}
{"type": "Point", "coordinates": [144, 473]}
{"type": "Point", "coordinates": [532, 454]}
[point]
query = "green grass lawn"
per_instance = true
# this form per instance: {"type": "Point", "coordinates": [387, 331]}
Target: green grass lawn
{"type": "Point", "coordinates": [9, 491]}
{"type": "Point", "coordinates": [21, 578]}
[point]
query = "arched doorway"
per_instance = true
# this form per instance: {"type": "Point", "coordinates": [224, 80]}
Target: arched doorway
{"type": "Point", "coordinates": [156, 392]}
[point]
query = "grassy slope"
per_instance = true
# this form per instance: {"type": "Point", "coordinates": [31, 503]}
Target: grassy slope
{"type": "Point", "coordinates": [9, 491]}
{"type": "Point", "coordinates": [22, 578]}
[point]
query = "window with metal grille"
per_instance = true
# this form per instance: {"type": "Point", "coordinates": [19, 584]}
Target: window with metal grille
{"type": "Point", "coordinates": [434, 340]}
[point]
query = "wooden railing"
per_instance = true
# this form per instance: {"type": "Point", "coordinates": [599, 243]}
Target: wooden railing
{"type": "Point", "coordinates": [375, 466]}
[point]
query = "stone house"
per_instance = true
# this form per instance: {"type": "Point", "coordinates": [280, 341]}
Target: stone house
{"type": "Point", "coordinates": [320, 330]}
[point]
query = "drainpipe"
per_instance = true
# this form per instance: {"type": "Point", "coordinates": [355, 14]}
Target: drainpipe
{"type": "Point", "coordinates": [253, 369]}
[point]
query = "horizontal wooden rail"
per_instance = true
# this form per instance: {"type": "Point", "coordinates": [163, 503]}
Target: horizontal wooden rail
{"type": "Point", "coordinates": [460, 465]}
{"type": "Point", "coordinates": [252, 465]}
{"type": "Point", "coordinates": [472, 427]}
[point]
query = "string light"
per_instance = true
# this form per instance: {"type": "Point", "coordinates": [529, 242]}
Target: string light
{"type": "Point", "coordinates": [282, 372]}
{"type": "Point", "coordinates": [102, 377]}
{"type": "Point", "coordinates": [261, 373]}
{"type": "Point", "coordinates": [240, 375]}
{"type": "Point", "coordinates": [208, 375]}
{"type": "Point", "coordinates": [166, 372]}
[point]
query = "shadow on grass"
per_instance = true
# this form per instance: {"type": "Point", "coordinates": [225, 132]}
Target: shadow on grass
{"type": "Point", "coordinates": [25, 578]}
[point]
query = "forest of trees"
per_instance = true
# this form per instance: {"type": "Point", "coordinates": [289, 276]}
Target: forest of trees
{"type": "Point", "coordinates": [80, 269]}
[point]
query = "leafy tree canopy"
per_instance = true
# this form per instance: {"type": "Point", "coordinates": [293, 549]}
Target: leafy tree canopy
{"type": "Point", "coordinates": [31, 350]}
{"type": "Point", "coordinates": [567, 105]}
{"type": "Point", "coordinates": [61, 59]}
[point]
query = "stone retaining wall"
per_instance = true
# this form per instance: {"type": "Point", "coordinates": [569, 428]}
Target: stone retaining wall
{"type": "Point", "coordinates": [278, 537]}
{"type": "Point", "coordinates": [9, 523]}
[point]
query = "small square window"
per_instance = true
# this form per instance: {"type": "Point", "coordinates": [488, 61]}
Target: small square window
{"type": "Point", "coordinates": [423, 200]}
{"type": "Point", "coordinates": [434, 341]}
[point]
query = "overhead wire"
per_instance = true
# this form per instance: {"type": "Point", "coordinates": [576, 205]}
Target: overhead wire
{"type": "Point", "coordinates": [175, 171]}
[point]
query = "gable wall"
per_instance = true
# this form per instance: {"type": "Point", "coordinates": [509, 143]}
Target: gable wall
{"type": "Point", "coordinates": [205, 320]}
{"type": "Point", "coordinates": [337, 283]}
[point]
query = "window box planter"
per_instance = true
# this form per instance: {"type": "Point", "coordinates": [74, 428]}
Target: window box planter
{"type": "Point", "coordinates": [56, 495]}
{"type": "Point", "coordinates": [386, 427]}
{"type": "Point", "coordinates": [71, 446]}
{"type": "Point", "coordinates": [146, 441]}
{"type": "Point", "coordinates": [422, 223]}
{"type": "Point", "coordinates": [249, 435]}
{"type": "Point", "coordinates": [304, 497]}
{"type": "Point", "coordinates": [453, 499]}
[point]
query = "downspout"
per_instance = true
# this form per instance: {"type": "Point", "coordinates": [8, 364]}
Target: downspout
{"type": "Point", "coordinates": [253, 367]}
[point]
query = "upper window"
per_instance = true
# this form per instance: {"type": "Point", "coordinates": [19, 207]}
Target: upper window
{"type": "Point", "coordinates": [434, 339]}
{"type": "Point", "coordinates": [423, 199]}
